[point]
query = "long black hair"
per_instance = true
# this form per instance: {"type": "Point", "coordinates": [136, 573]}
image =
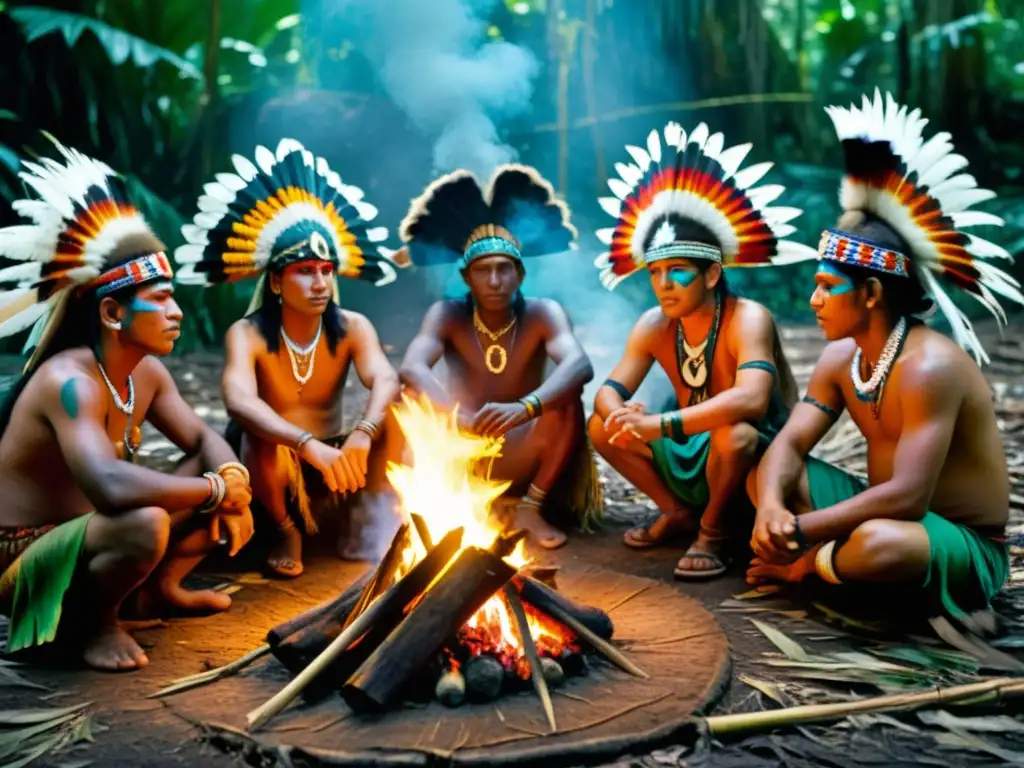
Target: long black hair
{"type": "Point", "coordinates": [267, 320]}
{"type": "Point", "coordinates": [79, 327]}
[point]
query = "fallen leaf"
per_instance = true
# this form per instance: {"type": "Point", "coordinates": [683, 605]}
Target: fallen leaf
{"type": "Point", "coordinates": [32, 716]}
{"type": "Point", "coordinates": [989, 724]}
{"type": "Point", "coordinates": [769, 689]}
{"type": "Point", "coordinates": [783, 642]}
{"type": "Point", "coordinates": [762, 591]}
{"type": "Point", "coordinates": [962, 740]}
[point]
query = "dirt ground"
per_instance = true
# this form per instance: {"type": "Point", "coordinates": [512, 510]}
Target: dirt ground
{"type": "Point", "coordinates": [133, 730]}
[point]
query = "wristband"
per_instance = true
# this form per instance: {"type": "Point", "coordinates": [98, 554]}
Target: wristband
{"type": "Point", "coordinates": [304, 438]}
{"type": "Point", "coordinates": [533, 406]}
{"type": "Point", "coordinates": [368, 427]}
{"type": "Point", "coordinates": [236, 466]}
{"type": "Point", "coordinates": [798, 534]}
{"type": "Point", "coordinates": [218, 488]}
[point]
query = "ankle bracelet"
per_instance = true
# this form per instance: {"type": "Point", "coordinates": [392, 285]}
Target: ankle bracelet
{"type": "Point", "coordinates": [824, 566]}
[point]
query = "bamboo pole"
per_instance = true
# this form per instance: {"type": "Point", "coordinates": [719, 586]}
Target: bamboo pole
{"type": "Point", "coordinates": [212, 675]}
{"type": "Point", "coordinates": [612, 653]}
{"type": "Point", "coordinates": [750, 722]}
{"type": "Point", "coordinates": [536, 670]}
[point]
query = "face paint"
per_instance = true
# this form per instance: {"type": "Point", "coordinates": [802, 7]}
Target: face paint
{"type": "Point", "coordinates": [683, 277]}
{"type": "Point", "coordinates": [835, 289]}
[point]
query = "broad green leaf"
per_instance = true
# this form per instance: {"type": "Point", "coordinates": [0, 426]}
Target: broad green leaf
{"type": "Point", "coordinates": [9, 717]}
{"type": "Point", "coordinates": [119, 45]}
{"type": "Point", "coordinates": [783, 642]}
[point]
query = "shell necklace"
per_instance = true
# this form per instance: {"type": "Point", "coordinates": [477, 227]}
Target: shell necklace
{"type": "Point", "coordinates": [127, 448]}
{"type": "Point", "coordinates": [494, 348]}
{"type": "Point", "coordinates": [870, 391]}
{"type": "Point", "coordinates": [302, 357]}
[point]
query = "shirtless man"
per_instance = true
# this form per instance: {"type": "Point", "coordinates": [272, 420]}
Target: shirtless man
{"type": "Point", "coordinates": [288, 359]}
{"type": "Point", "coordinates": [677, 218]}
{"type": "Point", "coordinates": [933, 512]}
{"type": "Point", "coordinates": [496, 343]}
{"type": "Point", "coordinates": [82, 526]}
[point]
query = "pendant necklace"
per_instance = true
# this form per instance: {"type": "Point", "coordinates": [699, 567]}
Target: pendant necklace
{"type": "Point", "coordinates": [127, 448]}
{"type": "Point", "coordinates": [870, 391]}
{"type": "Point", "coordinates": [695, 361]}
{"type": "Point", "coordinates": [494, 348]}
{"type": "Point", "coordinates": [302, 357]}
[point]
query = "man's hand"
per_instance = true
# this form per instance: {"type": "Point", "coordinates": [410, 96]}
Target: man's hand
{"type": "Point", "coordinates": [237, 494]}
{"type": "Point", "coordinates": [339, 477]}
{"type": "Point", "coordinates": [631, 422]}
{"type": "Point", "coordinates": [239, 525]}
{"type": "Point", "coordinates": [774, 539]}
{"type": "Point", "coordinates": [357, 451]}
{"type": "Point", "coordinates": [495, 419]}
{"type": "Point", "coordinates": [464, 420]}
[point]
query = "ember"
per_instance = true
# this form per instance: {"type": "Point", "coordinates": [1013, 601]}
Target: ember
{"type": "Point", "coordinates": [451, 607]}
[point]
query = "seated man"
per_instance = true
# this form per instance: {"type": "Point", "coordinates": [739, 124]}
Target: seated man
{"type": "Point", "coordinates": [496, 343]}
{"type": "Point", "coordinates": [684, 217]}
{"type": "Point", "coordinates": [81, 525]}
{"type": "Point", "coordinates": [933, 511]}
{"type": "Point", "coordinates": [288, 359]}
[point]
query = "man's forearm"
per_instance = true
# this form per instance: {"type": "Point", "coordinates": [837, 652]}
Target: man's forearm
{"type": "Point", "coordinates": [422, 380]}
{"type": "Point", "coordinates": [383, 394]}
{"type": "Point", "coordinates": [119, 487]}
{"type": "Point", "coordinates": [882, 501]}
{"type": "Point", "coordinates": [733, 406]}
{"type": "Point", "coordinates": [214, 451]}
{"type": "Point", "coordinates": [565, 383]}
{"type": "Point", "coordinates": [259, 419]}
{"type": "Point", "coordinates": [606, 401]}
{"type": "Point", "coordinates": [778, 473]}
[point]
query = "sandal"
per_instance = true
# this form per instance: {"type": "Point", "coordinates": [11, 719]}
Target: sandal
{"type": "Point", "coordinates": [721, 565]}
{"type": "Point", "coordinates": [673, 529]}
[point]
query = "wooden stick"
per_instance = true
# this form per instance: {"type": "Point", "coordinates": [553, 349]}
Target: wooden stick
{"type": "Point", "coordinates": [212, 675]}
{"type": "Point", "coordinates": [383, 574]}
{"type": "Point", "coordinates": [750, 722]}
{"type": "Point", "coordinates": [612, 653]}
{"type": "Point", "coordinates": [536, 670]}
{"type": "Point", "coordinates": [398, 595]}
{"type": "Point", "coordinates": [421, 528]}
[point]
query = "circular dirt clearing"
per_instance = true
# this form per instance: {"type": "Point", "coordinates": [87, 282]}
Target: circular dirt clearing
{"type": "Point", "coordinates": [601, 716]}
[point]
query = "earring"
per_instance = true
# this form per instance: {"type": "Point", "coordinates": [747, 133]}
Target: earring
{"type": "Point", "coordinates": [112, 326]}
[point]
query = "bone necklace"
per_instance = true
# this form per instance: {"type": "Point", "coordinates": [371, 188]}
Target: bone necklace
{"type": "Point", "coordinates": [127, 448]}
{"type": "Point", "coordinates": [302, 357]}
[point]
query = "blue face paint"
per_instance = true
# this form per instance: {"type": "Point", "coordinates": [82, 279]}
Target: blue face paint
{"type": "Point", "coordinates": [682, 277]}
{"type": "Point", "coordinates": [139, 304]}
{"type": "Point", "coordinates": [835, 289]}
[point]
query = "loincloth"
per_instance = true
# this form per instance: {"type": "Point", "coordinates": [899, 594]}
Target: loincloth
{"type": "Point", "coordinates": [578, 492]}
{"type": "Point", "coordinates": [965, 568]}
{"type": "Point", "coordinates": [38, 565]}
{"type": "Point", "coordinates": [306, 487]}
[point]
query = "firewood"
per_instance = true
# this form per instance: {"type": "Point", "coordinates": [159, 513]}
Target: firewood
{"type": "Point", "coordinates": [337, 606]}
{"type": "Point", "coordinates": [540, 683]}
{"type": "Point", "coordinates": [463, 588]}
{"type": "Point", "coordinates": [398, 596]}
{"type": "Point", "coordinates": [384, 574]}
{"type": "Point", "coordinates": [541, 596]}
{"type": "Point", "coordinates": [599, 644]}
{"type": "Point", "coordinates": [421, 528]}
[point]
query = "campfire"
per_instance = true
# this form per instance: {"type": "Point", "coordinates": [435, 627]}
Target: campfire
{"type": "Point", "coordinates": [454, 609]}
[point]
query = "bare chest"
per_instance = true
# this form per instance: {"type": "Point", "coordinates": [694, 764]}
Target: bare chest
{"type": "Point", "coordinates": [287, 381]}
{"type": "Point", "coordinates": [713, 369]}
{"type": "Point", "coordinates": [484, 369]}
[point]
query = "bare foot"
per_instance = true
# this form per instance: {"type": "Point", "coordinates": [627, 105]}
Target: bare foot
{"type": "Point", "coordinates": [761, 572]}
{"type": "Point", "coordinates": [198, 601]}
{"type": "Point", "coordinates": [702, 560]}
{"type": "Point", "coordinates": [528, 517]}
{"type": "Point", "coordinates": [285, 559]}
{"type": "Point", "coordinates": [114, 650]}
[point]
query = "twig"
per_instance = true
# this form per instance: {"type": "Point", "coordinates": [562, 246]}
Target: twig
{"type": "Point", "coordinates": [603, 646]}
{"type": "Point", "coordinates": [202, 678]}
{"type": "Point", "coordinates": [501, 717]}
{"type": "Point", "coordinates": [330, 723]}
{"type": "Point", "coordinates": [627, 598]}
{"type": "Point", "coordinates": [676, 639]}
{"type": "Point", "coordinates": [536, 670]}
{"type": "Point", "coordinates": [574, 697]}
{"type": "Point", "coordinates": [751, 722]}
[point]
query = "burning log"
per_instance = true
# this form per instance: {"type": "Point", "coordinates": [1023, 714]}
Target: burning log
{"type": "Point", "coordinates": [463, 588]}
{"type": "Point", "coordinates": [610, 652]}
{"type": "Point", "coordinates": [337, 608]}
{"type": "Point", "coordinates": [421, 528]}
{"type": "Point", "coordinates": [385, 573]}
{"type": "Point", "coordinates": [545, 599]}
{"type": "Point", "coordinates": [484, 677]}
{"type": "Point", "coordinates": [393, 602]}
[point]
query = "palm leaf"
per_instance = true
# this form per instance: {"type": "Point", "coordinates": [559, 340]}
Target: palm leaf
{"type": "Point", "coordinates": [119, 45]}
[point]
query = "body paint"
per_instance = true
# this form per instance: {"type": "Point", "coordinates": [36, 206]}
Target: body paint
{"type": "Point", "coordinates": [69, 398]}
{"type": "Point", "coordinates": [683, 277]}
{"type": "Point", "coordinates": [139, 304]}
{"type": "Point", "coordinates": [824, 268]}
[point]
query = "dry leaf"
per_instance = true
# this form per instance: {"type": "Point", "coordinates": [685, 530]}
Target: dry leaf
{"type": "Point", "coordinates": [769, 689]}
{"type": "Point", "coordinates": [762, 591]}
{"type": "Point", "coordinates": [990, 724]}
{"type": "Point", "coordinates": [783, 642]}
{"type": "Point", "coordinates": [962, 740]}
{"type": "Point", "coordinates": [31, 716]}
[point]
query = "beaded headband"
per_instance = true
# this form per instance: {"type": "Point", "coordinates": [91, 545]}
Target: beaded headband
{"type": "Point", "coordinates": [683, 250]}
{"type": "Point", "coordinates": [490, 240]}
{"type": "Point", "coordinates": [858, 252]}
{"type": "Point", "coordinates": [134, 272]}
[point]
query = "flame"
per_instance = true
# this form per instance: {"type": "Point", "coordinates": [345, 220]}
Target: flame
{"type": "Point", "coordinates": [449, 485]}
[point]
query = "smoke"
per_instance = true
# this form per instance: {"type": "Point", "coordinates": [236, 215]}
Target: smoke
{"type": "Point", "coordinates": [436, 63]}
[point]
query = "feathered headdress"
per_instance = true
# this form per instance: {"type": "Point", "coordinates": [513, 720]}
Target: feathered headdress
{"type": "Point", "coordinates": [83, 223]}
{"type": "Point", "coordinates": [287, 207]}
{"type": "Point", "coordinates": [916, 187]}
{"type": "Point", "coordinates": [456, 221]}
{"type": "Point", "coordinates": [693, 184]}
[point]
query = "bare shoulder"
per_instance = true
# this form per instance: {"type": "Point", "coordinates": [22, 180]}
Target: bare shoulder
{"type": "Point", "coordinates": [652, 326]}
{"type": "Point", "coordinates": [356, 323]}
{"type": "Point", "coordinates": [442, 316]}
{"type": "Point", "coordinates": [751, 312]}
{"type": "Point", "coordinates": [242, 335]}
{"type": "Point", "coordinates": [65, 378]}
{"type": "Point", "coordinates": [932, 360]}
{"type": "Point", "coordinates": [151, 371]}
{"type": "Point", "coordinates": [836, 356]}
{"type": "Point", "coordinates": [548, 311]}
